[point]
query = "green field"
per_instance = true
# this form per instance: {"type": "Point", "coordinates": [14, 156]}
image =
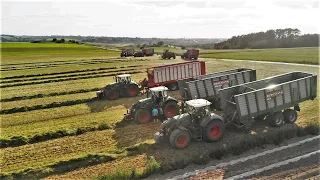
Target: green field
{"type": "Point", "coordinates": [83, 138]}
{"type": "Point", "coordinates": [290, 55]}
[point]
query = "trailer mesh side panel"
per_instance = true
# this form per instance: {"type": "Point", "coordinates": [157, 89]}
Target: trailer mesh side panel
{"type": "Point", "coordinates": [302, 86]}
{"type": "Point", "coordinates": [287, 94]}
{"type": "Point", "coordinates": [261, 100]}
{"type": "Point", "coordinates": [252, 102]}
{"type": "Point", "coordinates": [202, 91]}
{"type": "Point", "coordinates": [209, 87]}
{"type": "Point", "coordinates": [243, 106]}
{"type": "Point", "coordinates": [193, 90]}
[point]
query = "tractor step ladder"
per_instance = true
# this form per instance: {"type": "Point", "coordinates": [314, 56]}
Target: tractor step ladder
{"type": "Point", "coordinates": [198, 133]}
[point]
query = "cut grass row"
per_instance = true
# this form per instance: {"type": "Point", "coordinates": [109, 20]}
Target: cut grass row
{"type": "Point", "coordinates": [113, 73]}
{"type": "Point", "coordinates": [290, 55]}
{"type": "Point", "coordinates": [69, 75]}
{"type": "Point", "coordinates": [70, 147]}
{"type": "Point", "coordinates": [64, 72]}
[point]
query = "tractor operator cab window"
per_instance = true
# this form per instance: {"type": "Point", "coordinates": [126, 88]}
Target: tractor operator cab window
{"type": "Point", "coordinates": [123, 79]}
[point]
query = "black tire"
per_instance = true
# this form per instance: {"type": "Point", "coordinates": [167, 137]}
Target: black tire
{"type": "Point", "coordinates": [170, 109]}
{"type": "Point", "coordinates": [276, 119]}
{"type": "Point", "coordinates": [142, 116]}
{"type": "Point", "coordinates": [173, 87]}
{"type": "Point", "coordinates": [260, 117]}
{"type": "Point", "coordinates": [196, 58]}
{"type": "Point", "coordinates": [174, 57]}
{"type": "Point", "coordinates": [180, 138]}
{"type": "Point", "coordinates": [132, 90]}
{"type": "Point", "coordinates": [112, 95]}
{"type": "Point", "coordinates": [213, 131]}
{"type": "Point", "coordinates": [169, 57]}
{"type": "Point", "coordinates": [290, 116]}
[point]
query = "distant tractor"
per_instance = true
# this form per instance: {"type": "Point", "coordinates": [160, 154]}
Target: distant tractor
{"type": "Point", "coordinates": [196, 123]}
{"type": "Point", "coordinates": [191, 54]}
{"type": "Point", "coordinates": [168, 55]}
{"type": "Point", "coordinates": [123, 87]}
{"type": "Point", "coordinates": [158, 105]}
{"type": "Point", "coordinates": [127, 52]}
{"type": "Point", "coordinates": [144, 52]}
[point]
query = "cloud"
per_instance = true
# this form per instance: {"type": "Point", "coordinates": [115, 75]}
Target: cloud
{"type": "Point", "coordinates": [295, 4]}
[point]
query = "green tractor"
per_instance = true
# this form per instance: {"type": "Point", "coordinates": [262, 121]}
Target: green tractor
{"type": "Point", "coordinates": [157, 105]}
{"type": "Point", "coordinates": [123, 87]}
{"type": "Point", "coordinates": [196, 123]}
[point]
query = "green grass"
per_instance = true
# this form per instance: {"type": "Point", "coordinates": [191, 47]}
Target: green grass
{"type": "Point", "coordinates": [26, 52]}
{"type": "Point", "coordinates": [290, 55]}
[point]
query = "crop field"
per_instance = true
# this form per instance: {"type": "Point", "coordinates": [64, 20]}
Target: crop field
{"type": "Point", "coordinates": [53, 127]}
{"type": "Point", "coordinates": [290, 55]}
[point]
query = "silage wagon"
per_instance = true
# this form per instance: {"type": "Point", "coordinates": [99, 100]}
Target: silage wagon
{"type": "Point", "coordinates": [207, 86]}
{"type": "Point", "coordinates": [275, 99]}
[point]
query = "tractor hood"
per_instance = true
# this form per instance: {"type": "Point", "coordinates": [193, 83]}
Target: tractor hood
{"type": "Point", "coordinates": [111, 85]}
{"type": "Point", "coordinates": [142, 103]}
{"type": "Point", "coordinates": [175, 120]}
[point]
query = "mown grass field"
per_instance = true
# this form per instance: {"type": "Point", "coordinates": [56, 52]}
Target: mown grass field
{"type": "Point", "coordinates": [83, 138]}
{"type": "Point", "coordinates": [290, 55]}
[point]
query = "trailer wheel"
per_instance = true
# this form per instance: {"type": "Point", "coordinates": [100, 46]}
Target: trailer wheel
{"type": "Point", "coordinates": [290, 116]}
{"type": "Point", "coordinates": [132, 90]}
{"type": "Point", "coordinates": [174, 57]}
{"type": "Point", "coordinates": [260, 117]}
{"type": "Point", "coordinates": [276, 119]}
{"type": "Point", "coordinates": [170, 109]}
{"type": "Point", "coordinates": [142, 116]}
{"type": "Point", "coordinates": [180, 138]}
{"type": "Point", "coordinates": [214, 131]}
{"type": "Point", "coordinates": [112, 94]}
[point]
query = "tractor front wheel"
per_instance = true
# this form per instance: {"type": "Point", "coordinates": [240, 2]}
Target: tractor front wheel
{"type": "Point", "coordinates": [214, 131]}
{"type": "Point", "coordinates": [180, 138]}
{"type": "Point", "coordinates": [112, 95]}
{"type": "Point", "coordinates": [142, 116]}
{"type": "Point", "coordinates": [170, 109]}
{"type": "Point", "coordinates": [132, 90]}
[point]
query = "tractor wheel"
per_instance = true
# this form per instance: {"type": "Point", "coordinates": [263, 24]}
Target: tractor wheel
{"type": "Point", "coordinates": [173, 86]}
{"type": "Point", "coordinates": [132, 90]}
{"type": "Point", "coordinates": [170, 109]}
{"type": "Point", "coordinates": [142, 116]}
{"type": "Point", "coordinates": [180, 139]}
{"type": "Point", "coordinates": [290, 116]}
{"type": "Point", "coordinates": [276, 119]}
{"type": "Point", "coordinates": [112, 94]}
{"type": "Point", "coordinates": [214, 131]}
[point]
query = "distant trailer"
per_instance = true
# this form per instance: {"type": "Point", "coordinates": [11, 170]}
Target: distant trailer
{"type": "Point", "coordinates": [275, 99]}
{"type": "Point", "coordinates": [207, 86]}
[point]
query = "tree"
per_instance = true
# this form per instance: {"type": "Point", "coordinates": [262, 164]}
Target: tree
{"type": "Point", "coordinates": [160, 43]}
{"type": "Point", "coordinates": [54, 40]}
{"type": "Point", "coordinates": [62, 40]}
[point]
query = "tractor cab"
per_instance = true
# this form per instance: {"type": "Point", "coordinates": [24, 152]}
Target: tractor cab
{"type": "Point", "coordinates": [158, 94]}
{"type": "Point", "coordinates": [123, 78]}
{"type": "Point", "coordinates": [198, 108]}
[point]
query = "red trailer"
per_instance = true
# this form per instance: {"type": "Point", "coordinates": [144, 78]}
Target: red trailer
{"type": "Point", "coordinates": [167, 75]}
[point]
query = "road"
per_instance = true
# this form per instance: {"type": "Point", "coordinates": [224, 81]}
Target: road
{"type": "Point", "coordinates": [261, 163]}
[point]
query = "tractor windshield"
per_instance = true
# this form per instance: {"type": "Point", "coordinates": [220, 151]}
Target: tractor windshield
{"type": "Point", "coordinates": [123, 79]}
{"type": "Point", "coordinates": [198, 110]}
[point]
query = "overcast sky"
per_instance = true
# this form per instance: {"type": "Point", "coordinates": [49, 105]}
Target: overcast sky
{"type": "Point", "coordinates": [166, 19]}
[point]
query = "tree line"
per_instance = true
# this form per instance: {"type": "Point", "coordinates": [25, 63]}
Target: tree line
{"type": "Point", "coordinates": [279, 38]}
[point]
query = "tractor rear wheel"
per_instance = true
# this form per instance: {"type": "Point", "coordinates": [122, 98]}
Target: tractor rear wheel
{"type": "Point", "coordinates": [214, 131]}
{"type": "Point", "coordinates": [142, 116]}
{"type": "Point", "coordinates": [132, 90]}
{"type": "Point", "coordinates": [275, 119]}
{"type": "Point", "coordinates": [112, 95]}
{"type": "Point", "coordinates": [180, 138]}
{"type": "Point", "coordinates": [170, 109]}
{"type": "Point", "coordinates": [290, 116]}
